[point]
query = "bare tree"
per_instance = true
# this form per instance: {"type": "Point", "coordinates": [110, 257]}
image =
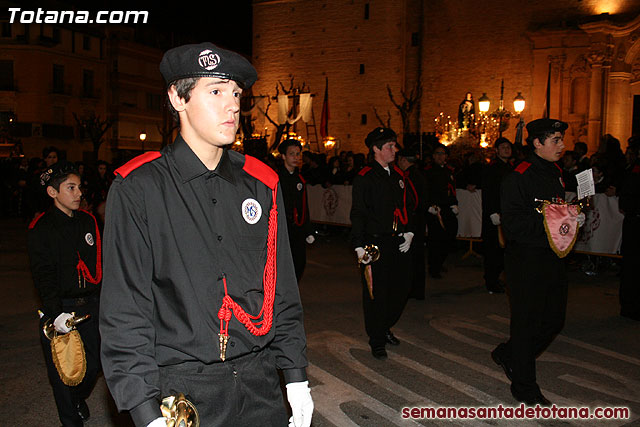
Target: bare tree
{"type": "Point", "coordinates": [94, 128]}
{"type": "Point", "coordinates": [406, 107]}
{"type": "Point", "coordinates": [384, 124]}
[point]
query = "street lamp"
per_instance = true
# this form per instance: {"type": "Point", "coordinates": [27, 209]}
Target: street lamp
{"type": "Point", "coordinates": [483, 103]}
{"type": "Point", "coordinates": [143, 136]}
{"type": "Point", "coordinates": [518, 105]}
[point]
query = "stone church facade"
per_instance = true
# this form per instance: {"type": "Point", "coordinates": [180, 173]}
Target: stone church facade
{"type": "Point", "coordinates": [586, 51]}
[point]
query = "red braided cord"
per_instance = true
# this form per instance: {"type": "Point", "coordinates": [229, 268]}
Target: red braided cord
{"type": "Point", "coordinates": [82, 267]}
{"type": "Point", "coordinates": [230, 307]}
{"type": "Point", "coordinates": [397, 213]}
{"type": "Point", "coordinates": [304, 208]}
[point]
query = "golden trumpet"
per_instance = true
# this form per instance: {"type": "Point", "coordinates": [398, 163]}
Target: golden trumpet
{"type": "Point", "coordinates": [50, 330]}
{"type": "Point", "coordinates": [179, 412]}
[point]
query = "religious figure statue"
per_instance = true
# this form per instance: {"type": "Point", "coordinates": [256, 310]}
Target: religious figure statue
{"type": "Point", "coordinates": [466, 112]}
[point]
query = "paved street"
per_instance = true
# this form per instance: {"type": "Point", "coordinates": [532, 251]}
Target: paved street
{"type": "Point", "coordinates": [443, 359]}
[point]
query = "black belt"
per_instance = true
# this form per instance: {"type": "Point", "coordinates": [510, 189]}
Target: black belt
{"type": "Point", "coordinates": [81, 301]}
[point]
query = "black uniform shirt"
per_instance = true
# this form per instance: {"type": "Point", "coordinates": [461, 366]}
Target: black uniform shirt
{"type": "Point", "coordinates": [376, 195]}
{"type": "Point", "coordinates": [55, 240]}
{"type": "Point", "coordinates": [173, 229]}
{"type": "Point", "coordinates": [533, 179]}
{"type": "Point", "coordinates": [294, 194]}
{"type": "Point", "coordinates": [441, 186]}
{"type": "Point", "coordinates": [491, 180]}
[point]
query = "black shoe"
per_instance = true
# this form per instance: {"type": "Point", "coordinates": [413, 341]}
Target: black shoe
{"type": "Point", "coordinates": [538, 399]}
{"type": "Point", "coordinates": [391, 339]}
{"type": "Point", "coordinates": [379, 353]}
{"type": "Point", "coordinates": [83, 410]}
{"type": "Point", "coordinates": [500, 361]}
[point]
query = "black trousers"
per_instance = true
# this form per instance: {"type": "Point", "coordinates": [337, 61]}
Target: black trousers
{"type": "Point", "coordinates": [298, 249]}
{"type": "Point", "coordinates": [629, 287]}
{"type": "Point", "coordinates": [493, 254]}
{"type": "Point", "coordinates": [391, 284]}
{"type": "Point", "coordinates": [417, 261]}
{"type": "Point", "coordinates": [537, 281]}
{"type": "Point", "coordinates": [239, 392]}
{"type": "Point", "coordinates": [441, 240]}
{"type": "Point", "coordinates": [67, 397]}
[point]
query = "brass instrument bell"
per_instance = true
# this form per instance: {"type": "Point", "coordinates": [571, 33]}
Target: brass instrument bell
{"type": "Point", "coordinates": [179, 412]}
{"type": "Point", "coordinates": [372, 251]}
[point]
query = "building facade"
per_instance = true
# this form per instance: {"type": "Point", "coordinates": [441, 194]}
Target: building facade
{"type": "Point", "coordinates": [584, 51]}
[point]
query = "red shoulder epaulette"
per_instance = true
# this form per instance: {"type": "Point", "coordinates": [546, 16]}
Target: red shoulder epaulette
{"type": "Point", "coordinates": [35, 220]}
{"type": "Point", "coordinates": [397, 169]}
{"type": "Point", "coordinates": [260, 171]}
{"type": "Point", "coordinates": [523, 166]}
{"type": "Point", "coordinates": [365, 170]}
{"type": "Point", "coordinates": [136, 162]}
{"type": "Point", "coordinates": [451, 168]}
{"type": "Point", "coordinates": [428, 167]}
{"type": "Point", "coordinates": [304, 182]}
{"type": "Point", "coordinates": [636, 169]}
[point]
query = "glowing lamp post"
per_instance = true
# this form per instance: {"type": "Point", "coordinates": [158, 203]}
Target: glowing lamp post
{"type": "Point", "coordinates": [518, 105]}
{"type": "Point", "coordinates": [483, 105]}
{"type": "Point", "coordinates": [143, 136]}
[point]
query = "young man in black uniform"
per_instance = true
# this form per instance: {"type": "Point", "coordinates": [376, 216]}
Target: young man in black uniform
{"type": "Point", "coordinates": [491, 180]}
{"type": "Point", "coordinates": [64, 251]}
{"type": "Point", "coordinates": [442, 218]}
{"type": "Point", "coordinates": [294, 192]}
{"type": "Point", "coordinates": [379, 216]}
{"type": "Point", "coordinates": [536, 276]}
{"type": "Point", "coordinates": [200, 295]}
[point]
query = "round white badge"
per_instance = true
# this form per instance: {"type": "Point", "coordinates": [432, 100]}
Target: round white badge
{"type": "Point", "coordinates": [251, 211]}
{"type": "Point", "coordinates": [89, 239]}
{"type": "Point", "coordinates": [299, 186]}
{"type": "Point", "coordinates": [401, 182]}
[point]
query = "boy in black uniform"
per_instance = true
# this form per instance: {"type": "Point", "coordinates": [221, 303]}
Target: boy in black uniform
{"type": "Point", "coordinates": [294, 192]}
{"type": "Point", "coordinates": [536, 276]}
{"type": "Point", "coordinates": [200, 295]}
{"type": "Point", "coordinates": [442, 220]}
{"type": "Point", "coordinates": [379, 216]}
{"type": "Point", "coordinates": [64, 251]}
{"type": "Point", "coordinates": [491, 180]}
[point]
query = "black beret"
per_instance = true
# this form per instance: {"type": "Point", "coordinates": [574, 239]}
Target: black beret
{"type": "Point", "coordinates": [380, 136]}
{"type": "Point", "coordinates": [206, 60]}
{"type": "Point", "coordinates": [56, 170]}
{"type": "Point", "coordinates": [541, 126]}
{"type": "Point", "coordinates": [282, 148]}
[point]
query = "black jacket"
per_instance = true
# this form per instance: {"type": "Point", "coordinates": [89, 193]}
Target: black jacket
{"type": "Point", "coordinates": [57, 243]}
{"type": "Point", "coordinates": [294, 192]}
{"type": "Point", "coordinates": [491, 181]}
{"type": "Point", "coordinates": [441, 186]}
{"type": "Point", "coordinates": [534, 178]}
{"type": "Point", "coordinates": [378, 199]}
{"type": "Point", "coordinates": [174, 230]}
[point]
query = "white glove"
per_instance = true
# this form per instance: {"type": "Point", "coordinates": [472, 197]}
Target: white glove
{"type": "Point", "coordinates": [310, 239]}
{"type": "Point", "coordinates": [364, 259]}
{"type": "Point", "coordinates": [495, 218]}
{"type": "Point", "coordinates": [299, 397]}
{"type": "Point", "coordinates": [580, 218]}
{"type": "Point", "coordinates": [158, 422]}
{"type": "Point", "coordinates": [433, 210]}
{"type": "Point", "coordinates": [454, 209]}
{"type": "Point", "coordinates": [60, 323]}
{"type": "Point", "coordinates": [408, 237]}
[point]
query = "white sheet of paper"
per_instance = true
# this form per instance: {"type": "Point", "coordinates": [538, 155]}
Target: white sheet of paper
{"type": "Point", "coordinates": [586, 186]}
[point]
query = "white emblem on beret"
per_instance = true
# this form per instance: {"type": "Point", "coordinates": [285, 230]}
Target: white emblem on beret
{"type": "Point", "coordinates": [401, 182]}
{"type": "Point", "coordinates": [299, 186]}
{"type": "Point", "coordinates": [89, 239]}
{"type": "Point", "coordinates": [251, 211]}
{"type": "Point", "coordinates": [208, 60]}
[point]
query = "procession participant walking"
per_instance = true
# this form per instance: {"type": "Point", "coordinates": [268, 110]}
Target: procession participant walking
{"type": "Point", "coordinates": [493, 252]}
{"type": "Point", "coordinates": [536, 276]}
{"type": "Point", "coordinates": [294, 193]}
{"type": "Point", "coordinates": [200, 295]}
{"type": "Point", "coordinates": [379, 217]}
{"type": "Point", "coordinates": [442, 221]}
{"type": "Point", "coordinates": [64, 252]}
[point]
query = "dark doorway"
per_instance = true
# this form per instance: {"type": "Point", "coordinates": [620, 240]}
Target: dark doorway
{"type": "Point", "coordinates": [635, 123]}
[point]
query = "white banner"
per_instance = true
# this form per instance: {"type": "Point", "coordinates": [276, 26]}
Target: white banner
{"type": "Point", "coordinates": [601, 233]}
